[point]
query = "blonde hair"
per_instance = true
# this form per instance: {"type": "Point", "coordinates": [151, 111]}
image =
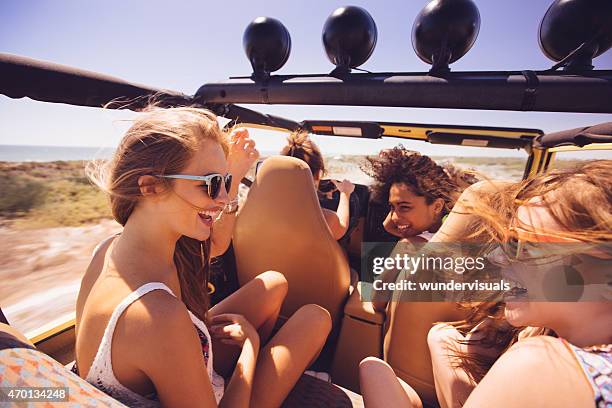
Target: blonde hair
{"type": "Point", "coordinates": [578, 198]}
{"type": "Point", "coordinates": [162, 141]}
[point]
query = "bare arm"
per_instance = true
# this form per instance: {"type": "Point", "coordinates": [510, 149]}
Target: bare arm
{"type": "Point", "coordinates": [223, 228]}
{"type": "Point", "coordinates": [236, 330]}
{"type": "Point", "coordinates": [238, 390]}
{"type": "Point", "coordinates": [333, 224]}
{"type": "Point", "coordinates": [344, 212]}
{"type": "Point", "coordinates": [338, 221]}
{"type": "Point", "coordinates": [535, 372]}
{"type": "Point", "coordinates": [345, 188]}
{"type": "Point", "coordinates": [242, 155]}
{"type": "Point", "coordinates": [459, 219]}
{"type": "Point", "coordinates": [177, 370]}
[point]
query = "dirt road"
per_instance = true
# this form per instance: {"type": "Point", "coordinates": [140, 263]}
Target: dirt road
{"type": "Point", "coordinates": [40, 270]}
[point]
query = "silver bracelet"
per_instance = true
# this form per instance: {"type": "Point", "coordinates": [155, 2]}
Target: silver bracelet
{"type": "Point", "coordinates": [231, 207]}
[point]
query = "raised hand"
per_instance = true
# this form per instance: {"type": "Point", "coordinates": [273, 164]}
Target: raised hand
{"type": "Point", "coordinates": [233, 329]}
{"type": "Point", "coordinates": [344, 186]}
{"type": "Point", "coordinates": [242, 153]}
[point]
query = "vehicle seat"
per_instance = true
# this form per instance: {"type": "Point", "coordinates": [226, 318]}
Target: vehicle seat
{"type": "Point", "coordinates": [281, 228]}
{"type": "Point", "coordinates": [405, 344]}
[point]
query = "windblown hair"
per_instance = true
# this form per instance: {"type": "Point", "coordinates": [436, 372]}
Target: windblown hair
{"type": "Point", "coordinates": [300, 146]}
{"type": "Point", "coordinates": [420, 173]}
{"type": "Point", "coordinates": [162, 141]}
{"type": "Point", "coordinates": [578, 198]}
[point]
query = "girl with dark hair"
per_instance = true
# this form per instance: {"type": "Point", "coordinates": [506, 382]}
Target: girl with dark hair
{"type": "Point", "coordinates": [144, 331]}
{"type": "Point", "coordinates": [419, 192]}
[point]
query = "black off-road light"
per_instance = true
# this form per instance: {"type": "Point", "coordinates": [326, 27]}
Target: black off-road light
{"type": "Point", "coordinates": [267, 44]}
{"type": "Point", "coordinates": [349, 37]}
{"type": "Point", "coordinates": [573, 32]}
{"type": "Point", "coordinates": [444, 31]}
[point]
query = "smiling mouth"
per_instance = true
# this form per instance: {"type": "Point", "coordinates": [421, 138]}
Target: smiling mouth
{"type": "Point", "coordinates": [209, 216]}
{"type": "Point", "coordinates": [403, 228]}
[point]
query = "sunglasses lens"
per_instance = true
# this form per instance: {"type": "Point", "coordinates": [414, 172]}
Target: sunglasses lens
{"type": "Point", "coordinates": [214, 186]}
{"type": "Point", "coordinates": [228, 182]}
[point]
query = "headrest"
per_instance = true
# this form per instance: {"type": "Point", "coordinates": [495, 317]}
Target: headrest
{"type": "Point", "coordinates": [281, 227]}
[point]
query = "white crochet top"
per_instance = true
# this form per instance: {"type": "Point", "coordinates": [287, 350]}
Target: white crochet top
{"type": "Point", "coordinates": [101, 372]}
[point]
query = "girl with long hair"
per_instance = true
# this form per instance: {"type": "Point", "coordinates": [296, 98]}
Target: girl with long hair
{"type": "Point", "coordinates": [144, 331]}
{"type": "Point", "coordinates": [525, 353]}
{"type": "Point", "coordinates": [418, 191]}
{"type": "Point", "coordinates": [419, 194]}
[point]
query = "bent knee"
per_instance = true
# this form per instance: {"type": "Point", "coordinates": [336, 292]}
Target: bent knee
{"type": "Point", "coordinates": [371, 363]}
{"type": "Point", "coordinates": [440, 335]}
{"type": "Point", "coordinates": [375, 369]}
{"type": "Point", "coordinates": [274, 281]}
{"type": "Point", "coordinates": [318, 317]}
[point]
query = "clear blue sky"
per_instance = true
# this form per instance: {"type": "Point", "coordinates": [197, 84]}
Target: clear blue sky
{"type": "Point", "coordinates": [182, 44]}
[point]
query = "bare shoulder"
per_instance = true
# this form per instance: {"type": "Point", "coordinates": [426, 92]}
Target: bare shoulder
{"type": "Point", "coordinates": [332, 220]}
{"type": "Point", "coordinates": [103, 245]}
{"type": "Point", "coordinates": [96, 264]}
{"type": "Point", "coordinates": [158, 325]}
{"type": "Point", "coordinates": [158, 315]}
{"type": "Point", "coordinates": [329, 215]}
{"type": "Point", "coordinates": [489, 185]}
{"type": "Point", "coordinates": [544, 352]}
{"type": "Point", "coordinates": [536, 371]}
{"type": "Point", "coordinates": [92, 273]}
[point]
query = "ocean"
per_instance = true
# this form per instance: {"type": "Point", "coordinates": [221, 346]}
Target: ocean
{"type": "Point", "coordinates": [338, 166]}
{"type": "Point", "coordinates": [23, 153]}
{"type": "Point", "coordinates": [16, 153]}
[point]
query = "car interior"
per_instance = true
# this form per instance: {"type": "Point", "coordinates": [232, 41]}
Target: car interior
{"type": "Point", "coordinates": [280, 225]}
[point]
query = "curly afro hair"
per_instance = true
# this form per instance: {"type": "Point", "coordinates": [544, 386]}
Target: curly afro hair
{"type": "Point", "coordinates": [420, 173]}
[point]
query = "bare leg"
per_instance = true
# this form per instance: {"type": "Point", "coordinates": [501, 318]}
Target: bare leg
{"type": "Point", "coordinates": [259, 301]}
{"type": "Point", "coordinates": [283, 360]}
{"type": "Point", "coordinates": [381, 388]}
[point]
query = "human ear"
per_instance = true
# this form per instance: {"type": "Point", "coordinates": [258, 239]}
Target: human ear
{"type": "Point", "coordinates": [149, 185]}
{"type": "Point", "coordinates": [438, 206]}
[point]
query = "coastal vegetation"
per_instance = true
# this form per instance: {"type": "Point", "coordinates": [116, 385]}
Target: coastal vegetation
{"type": "Point", "coordinates": [58, 194]}
{"type": "Point", "coordinates": [49, 194]}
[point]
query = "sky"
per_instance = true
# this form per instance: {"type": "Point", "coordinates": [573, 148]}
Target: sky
{"type": "Point", "coordinates": [181, 45]}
